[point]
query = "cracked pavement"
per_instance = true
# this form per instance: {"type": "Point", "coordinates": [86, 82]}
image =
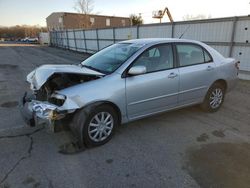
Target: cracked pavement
{"type": "Point", "coordinates": [28, 155]}
{"type": "Point", "coordinates": [167, 150]}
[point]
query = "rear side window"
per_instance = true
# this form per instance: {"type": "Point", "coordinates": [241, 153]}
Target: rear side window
{"type": "Point", "coordinates": [190, 54]}
{"type": "Point", "coordinates": [207, 57]}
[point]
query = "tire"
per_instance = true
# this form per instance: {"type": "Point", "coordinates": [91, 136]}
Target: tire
{"type": "Point", "coordinates": [93, 133]}
{"type": "Point", "coordinates": [214, 98]}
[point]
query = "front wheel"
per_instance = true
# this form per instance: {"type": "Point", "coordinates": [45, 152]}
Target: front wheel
{"type": "Point", "coordinates": [99, 125]}
{"type": "Point", "coordinates": [214, 98]}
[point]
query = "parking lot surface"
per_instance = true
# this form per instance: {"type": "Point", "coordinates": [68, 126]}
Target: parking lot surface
{"type": "Point", "coordinates": [182, 148]}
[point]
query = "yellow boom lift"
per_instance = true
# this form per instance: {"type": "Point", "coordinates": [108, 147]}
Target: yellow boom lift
{"type": "Point", "coordinates": [160, 13]}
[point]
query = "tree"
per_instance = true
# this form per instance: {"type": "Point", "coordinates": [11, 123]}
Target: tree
{"type": "Point", "coordinates": [136, 20]}
{"type": "Point", "coordinates": [195, 17]}
{"type": "Point", "coordinates": [84, 6]}
{"type": "Point", "coordinates": [18, 32]}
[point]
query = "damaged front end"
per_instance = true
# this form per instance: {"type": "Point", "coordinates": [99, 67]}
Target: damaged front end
{"type": "Point", "coordinates": [45, 104]}
{"type": "Point", "coordinates": [37, 112]}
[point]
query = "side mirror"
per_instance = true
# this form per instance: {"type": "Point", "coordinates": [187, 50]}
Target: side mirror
{"type": "Point", "coordinates": [137, 70]}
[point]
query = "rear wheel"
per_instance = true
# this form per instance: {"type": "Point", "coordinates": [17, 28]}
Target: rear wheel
{"type": "Point", "coordinates": [214, 98]}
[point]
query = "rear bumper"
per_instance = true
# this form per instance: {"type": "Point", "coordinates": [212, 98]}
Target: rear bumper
{"type": "Point", "coordinates": [38, 112]}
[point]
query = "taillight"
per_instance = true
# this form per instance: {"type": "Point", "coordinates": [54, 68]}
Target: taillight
{"type": "Point", "coordinates": [237, 65]}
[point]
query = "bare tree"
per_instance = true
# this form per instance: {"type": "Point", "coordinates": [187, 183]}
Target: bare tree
{"type": "Point", "coordinates": [84, 6]}
{"type": "Point", "coordinates": [136, 20]}
{"type": "Point", "coordinates": [18, 32]}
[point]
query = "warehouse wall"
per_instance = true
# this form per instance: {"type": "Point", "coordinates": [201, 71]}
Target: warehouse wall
{"type": "Point", "coordinates": [230, 36]}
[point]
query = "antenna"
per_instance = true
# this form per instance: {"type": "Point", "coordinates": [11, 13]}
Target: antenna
{"type": "Point", "coordinates": [184, 31]}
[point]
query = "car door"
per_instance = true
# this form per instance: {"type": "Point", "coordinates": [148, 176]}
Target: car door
{"type": "Point", "coordinates": [197, 72]}
{"type": "Point", "coordinates": [157, 89]}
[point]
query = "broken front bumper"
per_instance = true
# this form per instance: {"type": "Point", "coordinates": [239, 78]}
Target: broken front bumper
{"type": "Point", "coordinates": [38, 112]}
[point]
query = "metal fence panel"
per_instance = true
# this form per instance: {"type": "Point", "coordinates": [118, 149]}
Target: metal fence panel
{"type": "Point", "coordinates": [164, 31]}
{"type": "Point", "coordinates": [126, 33]}
{"type": "Point", "coordinates": [210, 32]}
{"type": "Point", "coordinates": [79, 34]}
{"type": "Point", "coordinates": [59, 39]}
{"type": "Point", "coordinates": [91, 46]}
{"type": "Point", "coordinates": [72, 44]}
{"type": "Point", "coordinates": [80, 44]}
{"type": "Point", "coordinates": [105, 34]}
{"type": "Point", "coordinates": [64, 41]}
{"type": "Point", "coordinates": [70, 34]}
{"type": "Point", "coordinates": [242, 33]}
{"type": "Point", "coordinates": [224, 50]}
{"type": "Point", "coordinates": [242, 53]}
{"type": "Point", "coordinates": [105, 43]}
{"type": "Point", "coordinates": [90, 34]}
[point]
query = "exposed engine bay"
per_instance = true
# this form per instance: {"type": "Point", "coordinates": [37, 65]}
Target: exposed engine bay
{"type": "Point", "coordinates": [60, 81]}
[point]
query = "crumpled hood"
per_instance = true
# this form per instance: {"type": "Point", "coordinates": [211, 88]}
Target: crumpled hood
{"type": "Point", "coordinates": [41, 74]}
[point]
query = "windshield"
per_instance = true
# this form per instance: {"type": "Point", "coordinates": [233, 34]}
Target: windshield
{"type": "Point", "coordinates": [110, 58]}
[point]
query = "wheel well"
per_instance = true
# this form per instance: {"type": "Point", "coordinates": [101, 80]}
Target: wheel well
{"type": "Point", "coordinates": [88, 107]}
{"type": "Point", "coordinates": [115, 107]}
{"type": "Point", "coordinates": [222, 82]}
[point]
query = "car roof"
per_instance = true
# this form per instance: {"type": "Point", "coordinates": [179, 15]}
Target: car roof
{"type": "Point", "coordinates": [158, 40]}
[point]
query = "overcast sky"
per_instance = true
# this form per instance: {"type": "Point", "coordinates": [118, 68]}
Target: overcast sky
{"type": "Point", "coordinates": [33, 12]}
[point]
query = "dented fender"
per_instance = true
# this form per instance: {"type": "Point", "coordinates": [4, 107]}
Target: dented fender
{"type": "Point", "coordinates": [72, 103]}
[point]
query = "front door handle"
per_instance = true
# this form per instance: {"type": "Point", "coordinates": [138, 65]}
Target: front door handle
{"type": "Point", "coordinates": [172, 75]}
{"type": "Point", "coordinates": [209, 68]}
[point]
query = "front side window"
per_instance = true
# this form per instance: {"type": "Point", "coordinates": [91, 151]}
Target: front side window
{"type": "Point", "coordinates": [156, 58]}
{"type": "Point", "coordinates": [190, 54]}
{"type": "Point", "coordinates": [112, 57]}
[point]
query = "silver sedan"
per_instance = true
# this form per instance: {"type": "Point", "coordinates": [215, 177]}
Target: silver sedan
{"type": "Point", "coordinates": [125, 82]}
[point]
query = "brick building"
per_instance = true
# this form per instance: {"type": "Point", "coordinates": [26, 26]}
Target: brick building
{"type": "Point", "coordinates": [65, 20]}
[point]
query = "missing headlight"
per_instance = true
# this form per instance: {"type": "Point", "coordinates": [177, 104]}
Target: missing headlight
{"type": "Point", "coordinates": [57, 99]}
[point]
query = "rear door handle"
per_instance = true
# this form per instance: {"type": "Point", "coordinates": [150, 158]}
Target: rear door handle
{"type": "Point", "coordinates": [209, 68]}
{"type": "Point", "coordinates": [172, 75]}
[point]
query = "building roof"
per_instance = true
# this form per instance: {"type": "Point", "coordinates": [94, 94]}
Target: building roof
{"type": "Point", "coordinates": [96, 15]}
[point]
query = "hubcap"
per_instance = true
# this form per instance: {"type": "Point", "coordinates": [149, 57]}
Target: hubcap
{"type": "Point", "coordinates": [216, 98]}
{"type": "Point", "coordinates": [100, 126]}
